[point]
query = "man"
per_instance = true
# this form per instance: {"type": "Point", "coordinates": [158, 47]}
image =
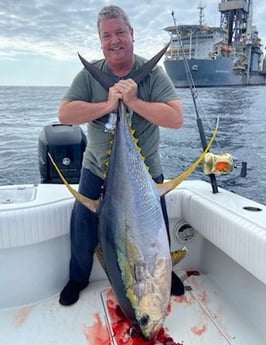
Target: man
{"type": "Point", "coordinates": [153, 102]}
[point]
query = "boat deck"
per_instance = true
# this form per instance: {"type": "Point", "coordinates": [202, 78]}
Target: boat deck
{"type": "Point", "coordinates": [202, 316]}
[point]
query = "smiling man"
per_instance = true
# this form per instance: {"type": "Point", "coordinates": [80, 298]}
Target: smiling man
{"type": "Point", "coordinates": [152, 103]}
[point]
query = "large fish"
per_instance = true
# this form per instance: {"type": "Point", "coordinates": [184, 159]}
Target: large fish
{"type": "Point", "coordinates": [132, 232]}
{"type": "Point", "coordinates": [133, 235]}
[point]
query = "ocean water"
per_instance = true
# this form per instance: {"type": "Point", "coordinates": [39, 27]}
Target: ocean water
{"type": "Point", "coordinates": [24, 111]}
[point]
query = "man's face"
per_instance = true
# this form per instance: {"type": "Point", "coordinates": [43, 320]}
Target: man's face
{"type": "Point", "coordinates": [116, 40]}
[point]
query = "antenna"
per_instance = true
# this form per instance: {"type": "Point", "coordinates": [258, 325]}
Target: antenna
{"type": "Point", "coordinates": [201, 13]}
{"type": "Point", "coordinates": [194, 97]}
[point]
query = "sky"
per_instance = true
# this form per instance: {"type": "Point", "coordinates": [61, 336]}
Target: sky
{"type": "Point", "coordinates": [39, 39]}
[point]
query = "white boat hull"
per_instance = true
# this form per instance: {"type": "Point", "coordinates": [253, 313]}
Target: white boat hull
{"type": "Point", "coordinates": [222, 305]}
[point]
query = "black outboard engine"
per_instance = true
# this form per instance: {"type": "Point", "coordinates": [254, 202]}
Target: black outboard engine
{"type": "Point", "coordinates": [66, 144]}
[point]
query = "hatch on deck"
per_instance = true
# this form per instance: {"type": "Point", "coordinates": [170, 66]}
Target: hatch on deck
{"type": "Point", "coordinates": [17, 194]}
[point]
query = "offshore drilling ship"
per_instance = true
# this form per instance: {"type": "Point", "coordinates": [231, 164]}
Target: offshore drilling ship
{"type": "Point", "coordinates": [228, 55]}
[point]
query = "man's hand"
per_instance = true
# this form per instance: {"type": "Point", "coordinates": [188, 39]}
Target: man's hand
{"type": "Point", "coordinates": [128, 89]}
{"type": "Point", "coordinates": [114, 96]}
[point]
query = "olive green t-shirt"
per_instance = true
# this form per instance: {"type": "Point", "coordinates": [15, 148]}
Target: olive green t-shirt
{"type": "Point", "coordinates": [156, 87]}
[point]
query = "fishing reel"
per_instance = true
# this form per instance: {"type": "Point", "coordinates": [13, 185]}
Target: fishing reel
{"type": "Point", "coordinates": [218, 164]}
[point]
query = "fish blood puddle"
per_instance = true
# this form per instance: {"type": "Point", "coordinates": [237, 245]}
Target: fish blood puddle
{"type": "Point", "coordinates": [123, 332]}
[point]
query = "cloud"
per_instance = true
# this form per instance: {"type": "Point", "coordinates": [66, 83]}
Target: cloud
{"type": "Point", "coordinates": [45, 27]}
{"type": "Point", "coordinates": [57, 30]}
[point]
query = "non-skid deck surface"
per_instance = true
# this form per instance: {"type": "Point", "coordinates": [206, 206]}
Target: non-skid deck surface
{"type": "Point", "coordinates": [201, 316]}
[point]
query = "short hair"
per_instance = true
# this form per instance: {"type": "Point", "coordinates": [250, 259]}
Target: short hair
{"type": "Point", "coordinates": [112, 11]}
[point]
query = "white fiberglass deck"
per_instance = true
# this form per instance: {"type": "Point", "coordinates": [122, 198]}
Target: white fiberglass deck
{"type": "Point", "coordinates": [226, 304]}
{"type": "Point", "coordinates": [201, 316]}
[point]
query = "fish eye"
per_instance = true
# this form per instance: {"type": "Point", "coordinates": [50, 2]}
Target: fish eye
{"type": "Point", "coordinates": [144, 320]}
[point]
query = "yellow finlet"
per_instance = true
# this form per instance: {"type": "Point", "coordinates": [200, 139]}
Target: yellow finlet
{"type": "Point", "coordinates": [178, 255]}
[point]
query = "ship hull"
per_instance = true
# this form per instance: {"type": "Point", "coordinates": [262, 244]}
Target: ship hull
{"type": "Point", "coordinates": [210, 73]}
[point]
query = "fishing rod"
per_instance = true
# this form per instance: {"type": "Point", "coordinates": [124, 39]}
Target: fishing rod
{"type": "Point", "coordinates": [194, 94]}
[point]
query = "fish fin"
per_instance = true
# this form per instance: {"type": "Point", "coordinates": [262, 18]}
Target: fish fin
{"type": "Point", "coordinates": [142, 72]}
{"type": "Point", "coordinates": [103, 78]}
{"type": "Point", "coordinates": [178, 255]}
{"type": "Point", "coordinates": [136, 141]}
{"type": "Point", "coordinates": [91, 204]}
{"type": "Point", "coordinates": [166, 187]}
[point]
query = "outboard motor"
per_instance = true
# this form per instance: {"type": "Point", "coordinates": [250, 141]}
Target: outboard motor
{"type": "Point", "coordinates": [66, 144]}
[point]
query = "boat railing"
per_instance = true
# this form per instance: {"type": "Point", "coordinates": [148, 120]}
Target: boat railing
{"type": "Point", "coordinates": [223, 50]}
{"type": "Point", "coordinates": [178, 54]}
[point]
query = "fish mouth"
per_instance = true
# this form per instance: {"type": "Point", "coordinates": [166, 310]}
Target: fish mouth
{"type": "Point", "coordinates": [152, 333]}
{"type": "Point", "coordinates": [136, 331]}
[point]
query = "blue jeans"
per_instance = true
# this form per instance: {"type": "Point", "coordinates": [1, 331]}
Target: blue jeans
{"type": "Point", "coordinates": [84, 224]}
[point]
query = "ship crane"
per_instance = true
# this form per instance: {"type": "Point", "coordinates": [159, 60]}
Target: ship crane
{"type": "Point", "coordinates": [236, 19]}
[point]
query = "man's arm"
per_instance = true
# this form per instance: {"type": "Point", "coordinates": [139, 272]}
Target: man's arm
{"type": "Point", "coordinates": [169, 114]}
{"type": "Point", "coordinates": [78, 112]}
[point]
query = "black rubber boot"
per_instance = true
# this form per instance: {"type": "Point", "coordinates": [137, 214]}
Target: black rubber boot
{"type": "Point", "coordinates": [177, 286]}
{"type": "Point", "coordinates": [70, 293]}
